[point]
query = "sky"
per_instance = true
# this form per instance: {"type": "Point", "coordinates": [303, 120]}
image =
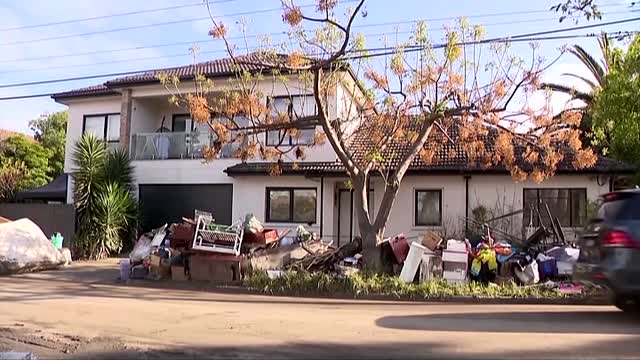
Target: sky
{"type": "Point", "coordinates": [30, 52]}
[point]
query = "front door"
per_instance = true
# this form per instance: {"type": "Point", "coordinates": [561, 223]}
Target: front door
{"type": "Point", "coordinates": [347, 217]}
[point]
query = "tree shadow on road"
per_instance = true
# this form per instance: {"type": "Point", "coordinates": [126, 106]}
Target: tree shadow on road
{"type": "Point", "coordinates": [559, 322]}
{"type": "Point", "coordinates": [627, 347]}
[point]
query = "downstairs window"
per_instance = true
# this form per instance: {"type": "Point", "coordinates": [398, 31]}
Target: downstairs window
{"type": "Point", "coordinates": [291, 205]}
{"type": "Point", "coordinates": [569, 205]}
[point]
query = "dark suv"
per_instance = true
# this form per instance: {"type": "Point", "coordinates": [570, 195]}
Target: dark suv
{"type": "Point", "coordinates": [610, 249]}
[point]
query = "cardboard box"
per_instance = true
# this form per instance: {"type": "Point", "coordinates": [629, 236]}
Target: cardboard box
{"type": "Point", "coordinates": [154, 260]}
{"type": "Point", "coordinates": [431, 240]}
{"type": "Point", "coordinates": [178, 273]}
{"type": "Point", "coordinates": [222, 269]}
{"type": "Point", "coordinates": [160, 272]}
{"type": "Point", "coordinates": [455, 276]}
{"type": "Point", "coordinates": [455, 256]}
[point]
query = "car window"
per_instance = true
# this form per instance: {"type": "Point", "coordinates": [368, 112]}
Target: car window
{"type": "Point", "coordinates": [627, 208]}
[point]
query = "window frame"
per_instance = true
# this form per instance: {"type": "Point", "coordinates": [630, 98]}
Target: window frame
{"type": "Point", "coordinates": [416, 223]}
{"type": "Point", "coordinates": [291, 191]}
{"type": "Point", "coordinates": [290, 141]}
{"type": "Point", "coordinates": [174, 117]}
{"type": "Point", "coordinates": [543, 211]}
{"type": "Point", "coordinates": [106, 125]}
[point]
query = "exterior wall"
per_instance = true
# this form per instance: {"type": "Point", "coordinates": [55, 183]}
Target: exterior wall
{"type": "Point", "coordinates": [77, 110]}
{"type": "Point", "coordinates": [402, 217]}
{"type": "Point", "coordinates": [490, 191]}
{"type": "Point", "coordinates": [500, 191]}
{"type": "Point", "coordinates": [151, 105]}
{"type": "Point", "coordinates": [249, 196]}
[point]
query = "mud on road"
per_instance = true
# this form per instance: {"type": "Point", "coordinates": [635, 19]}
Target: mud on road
{"type": "Point", "coordinates": [47, 344]}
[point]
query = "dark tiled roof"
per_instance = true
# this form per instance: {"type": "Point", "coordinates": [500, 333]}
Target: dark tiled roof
{"type": "Point", "coordinates": [96, 90]}
{"type": "Point", "coordinates": [253, 62]}
{"type": "Point", "coordinates": [301, 168]}
{"type": "Point", "coordinates": [450, 158]}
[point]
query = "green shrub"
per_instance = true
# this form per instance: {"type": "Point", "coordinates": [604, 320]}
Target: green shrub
{"type": "Point", "coordinates": [107, 211]}
{"type": "Point", "coordinates": [362, 284]}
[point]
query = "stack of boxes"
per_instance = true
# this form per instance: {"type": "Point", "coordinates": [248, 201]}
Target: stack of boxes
{"type": "Point", "coordinates": [455, 261]}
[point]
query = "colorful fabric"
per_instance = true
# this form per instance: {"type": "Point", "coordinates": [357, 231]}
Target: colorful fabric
{"type": "Point", "coordinates": [485, 255]}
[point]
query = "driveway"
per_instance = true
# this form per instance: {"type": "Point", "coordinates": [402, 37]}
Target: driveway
{"type": "Point", "coordinates": [81, 312]}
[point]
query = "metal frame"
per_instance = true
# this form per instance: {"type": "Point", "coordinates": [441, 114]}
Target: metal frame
{"type": "Point", "coordinates": [283, 139]}
{"type": "Point", "coordinates": [106, 125]}
{"type": "Point", "coordinates": [214, 240]}
{"type": "Point", "coordinates": [415, 206]}
{"type": "Point", "coordinates": [570, 190]}
{"type": "Point", "coordinates": [291, 191]}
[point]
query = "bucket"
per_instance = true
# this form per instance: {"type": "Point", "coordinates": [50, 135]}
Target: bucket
{"type": "Point", "coordinates": [125, 268]}
{"type": "Point", "coordinates": [412, 262]}
{"type": "Point", "coordinates": [56, 240]}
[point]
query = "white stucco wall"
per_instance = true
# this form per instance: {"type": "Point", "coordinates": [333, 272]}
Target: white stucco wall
{"type": "Point", "coordinates": [77, 110]}
{"type": "Point", "coordinates": [488, 190]}
{"type": "Point", "coordinates": [151, 105]}
{"type": "Point", "coordinates": [500, 191]}
{"type": "Point", "coordinates": [249, 196]}
{"type": "Point", "coordinates": [402, 217]}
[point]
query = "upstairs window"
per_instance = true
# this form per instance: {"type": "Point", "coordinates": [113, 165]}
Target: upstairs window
{"type": "Point", "coordinates": [104, 126]}
{"type": "Point", "coordinates": [293, 107]}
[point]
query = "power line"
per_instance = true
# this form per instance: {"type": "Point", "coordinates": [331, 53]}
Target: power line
{"type": "Point", "coordinates": [224, 51]}
{"type": "Point", "coordinates": [168, 8]}
{"type": "Point", "coordinates": [88, 77]}
{"type": "Point", "coordinates": [510, 13]}
{"type": "Point", "coordinates": [533, 36]}
{"type": "Point", "coordinates": [136, 27]}
{"type": "Point", "coordinates": [97, 52]}
{"type": "Point", "coordinates": [519, 37]}
{"type": "Point", "coordinates": [101, 17]}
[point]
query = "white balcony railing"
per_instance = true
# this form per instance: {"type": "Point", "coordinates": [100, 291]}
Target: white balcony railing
{"type": "Point", "coordinates": [175, 145]}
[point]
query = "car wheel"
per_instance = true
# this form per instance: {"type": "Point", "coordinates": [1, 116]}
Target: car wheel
{"type": "Point", "coordinates": [627, 303]}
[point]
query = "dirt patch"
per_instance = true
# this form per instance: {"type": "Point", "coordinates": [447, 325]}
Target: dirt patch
{"type": "Point", "coordinates": [53, 345]}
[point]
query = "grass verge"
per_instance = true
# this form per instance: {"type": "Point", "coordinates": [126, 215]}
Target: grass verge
{"type": "Point", "coordinates": [366, 285]}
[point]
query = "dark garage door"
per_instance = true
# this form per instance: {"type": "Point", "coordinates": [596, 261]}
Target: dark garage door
{"type": "Point", "coordinates": [165, 204]}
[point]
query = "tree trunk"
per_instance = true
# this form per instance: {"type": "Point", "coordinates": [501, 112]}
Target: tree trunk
{"type": "Point", "coordinates": [371, 235]}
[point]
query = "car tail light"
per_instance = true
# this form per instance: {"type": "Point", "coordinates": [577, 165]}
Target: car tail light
{"type": "Point", "coordinates": [621, 239]}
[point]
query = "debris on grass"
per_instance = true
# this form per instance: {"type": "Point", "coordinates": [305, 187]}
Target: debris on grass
{"type": "Point", "coordinates": [367, 284]}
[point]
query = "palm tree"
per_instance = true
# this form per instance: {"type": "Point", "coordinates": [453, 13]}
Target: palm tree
{"type": "Point", "coordinates": [599, 70]}
{"type": "Point", "coordinates": [106, 209]}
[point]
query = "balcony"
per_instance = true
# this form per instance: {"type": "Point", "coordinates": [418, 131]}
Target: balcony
{"type": "Point", "coordinates": [175, 145]}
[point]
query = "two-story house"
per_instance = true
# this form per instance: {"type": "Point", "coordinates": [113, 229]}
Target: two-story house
{"type": "Point", "coordinates": [172, 180]}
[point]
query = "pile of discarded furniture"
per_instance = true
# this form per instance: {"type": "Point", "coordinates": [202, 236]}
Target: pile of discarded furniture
{"type": "Point", "coordinates": [201, 249]}
{"type": "Point", "coordinates": [543, 257]}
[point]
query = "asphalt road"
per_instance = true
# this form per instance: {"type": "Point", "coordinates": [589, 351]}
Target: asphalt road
{"type": "Point", "coordinates": [81, 313]}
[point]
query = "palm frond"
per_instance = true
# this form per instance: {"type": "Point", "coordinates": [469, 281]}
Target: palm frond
{"type": "Point", "coordinates": [107, 211]}
{"type": "Point", "coordinates": [575, 94]}
{"type": "Point", "coordinates": [590, 62]}
{"type": "Point", "coordinates": [589, 82]}
{"type": "Point", "coordinates": [118, 169]}
{"type": "Point", "coordinates": [88, 156]}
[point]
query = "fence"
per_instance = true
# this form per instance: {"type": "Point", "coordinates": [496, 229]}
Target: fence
{"type": "Point", "coordinates": [50, 217]}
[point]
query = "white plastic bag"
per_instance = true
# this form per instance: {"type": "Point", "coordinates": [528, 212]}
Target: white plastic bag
{"type": "Point", "coordinates": [141, 251]}
{"type": "Point", "coordinates": [530, 275]}
{"type": "Point", "coordinates": [252, 224]}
